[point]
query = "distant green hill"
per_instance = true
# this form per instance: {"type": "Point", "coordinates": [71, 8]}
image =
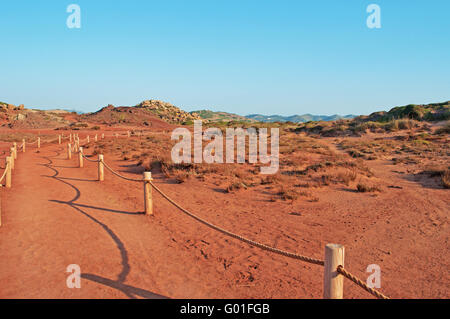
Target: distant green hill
{"type": "Point", "coordinates": [212, 116]}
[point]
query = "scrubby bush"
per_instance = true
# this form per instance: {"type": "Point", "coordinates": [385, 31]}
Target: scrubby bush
{"type": "Point", "coordinates": [445, 177]}
{"type": "Point", "coordinates": [364, 188]}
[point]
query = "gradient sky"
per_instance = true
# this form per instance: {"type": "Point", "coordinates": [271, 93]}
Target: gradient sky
{"type": "Point", "coordinates": [247, 56]}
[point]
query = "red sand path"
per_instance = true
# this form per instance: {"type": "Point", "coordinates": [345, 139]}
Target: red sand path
{"type": "Point", "coordinates": [57, 214]}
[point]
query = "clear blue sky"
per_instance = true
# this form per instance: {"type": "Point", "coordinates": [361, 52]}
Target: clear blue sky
{"type": "Point", "coordinates": [246, 56]}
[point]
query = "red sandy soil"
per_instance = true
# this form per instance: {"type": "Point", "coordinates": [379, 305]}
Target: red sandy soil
{"type": "Point", "coordinates": [57, 214]}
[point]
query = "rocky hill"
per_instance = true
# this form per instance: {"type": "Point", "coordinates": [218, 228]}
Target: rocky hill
{"type": "Point", "coordinates": [123, 116]}
{"type": "Point", "coordinates": [167, 112]}
{"type": "Point", "coordinates": [19, 117]}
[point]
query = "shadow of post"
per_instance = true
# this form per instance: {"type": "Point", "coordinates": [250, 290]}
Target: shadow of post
{"type": "Point", "coordinates": [126, 289]}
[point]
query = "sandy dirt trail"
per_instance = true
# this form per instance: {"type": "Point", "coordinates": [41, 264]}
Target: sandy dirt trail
{"type": "Point", "coordinates": [57, 214]}
{"type": "Point", "coordinates": [52, 217]}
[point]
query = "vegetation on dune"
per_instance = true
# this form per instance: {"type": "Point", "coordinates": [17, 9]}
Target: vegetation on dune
{"type": "Point", "coordinates": [213, 116]}
{"type": "Point", "coordinates": [398, 118]}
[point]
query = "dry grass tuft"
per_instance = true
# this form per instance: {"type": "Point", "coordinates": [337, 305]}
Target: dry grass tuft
{"type": "Point", "coordinates": [446, 178]}
{"type": "Point", "coordinates": [364, 188]}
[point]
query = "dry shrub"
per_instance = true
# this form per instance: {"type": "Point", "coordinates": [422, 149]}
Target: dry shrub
{"type": "Point", "coordinates": [287, 193]}
{"type": "Point", "coordinates": [180, 176]}
{"type": "Point", "coordinates": [270, 179]}
{"type": "Point", "coordinates": [441, 172]}
{"type": "Point", "coordinates": [325, 180]}
{"type": "Point", "coordinates": [445, 129]}
{"type": "Point", "coordinates": [346, 176]}
{"type": "Point", "coordinates": [236, 185]}
{"type": "Point", "coordinates": [364, 188]}
{"type": "Point", "coordinates": [445, 177]}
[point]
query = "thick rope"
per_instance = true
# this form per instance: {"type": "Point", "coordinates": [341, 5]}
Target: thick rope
{"type": "Point", "coordinates": [241, 238]}
{"type": "Point", "coordinates": [359, 282]}
{"type": "Point", "coordinates": [51, 141]}
{"type": "Point", "coordinates": [121, 176]}
{"type": "Point", "coordinates": [340, 269]}
{"type": "Point", "coordinates": [90, 160]}
{"type": "Point", "coordinates": [4, 174]}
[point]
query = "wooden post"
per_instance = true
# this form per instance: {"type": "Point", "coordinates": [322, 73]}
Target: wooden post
{"type": "Point", "coordinates": [39, 142]}
{"type": "Point", "coordinates": [103, 136]}
{"type": "Point", "coordinates": [12, 157]}
{"type": "Point", "coordinates": [101, 174]}
{"type": "Point", "coordinates": [69, 151]}
{"type": "Point", "coordinates": [95, 138]}
{"type": "Point", "coordinates": [15, 150]}
{"type": "Point", "coordinates": [23, 145]}
{"type": "Point", "coordinates": [59, 139]}
{"type": "Point", "coordinates": [148, 201]}
{"type": "Point", "coordinates": [88, 139]}
{"type": "Point", "coordinates": [333, 282]}
{"type": "Point", "coordinates": [8, 172]}
{"type": "Point", "coordinates": [80, 157]}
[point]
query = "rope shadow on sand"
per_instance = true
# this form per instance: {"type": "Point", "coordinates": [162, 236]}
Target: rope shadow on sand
{"type": "Point", "coordinates": [129, 291]}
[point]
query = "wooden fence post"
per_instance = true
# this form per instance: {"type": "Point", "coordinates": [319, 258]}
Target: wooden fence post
{"type": "Point", "coordinates": [88, 139]}
{"type": "Point", "coordinates": [59, 139]}
{"type": "Point", "coordinates": [23, 145]}
{"type": "Point", "coordinates": [333, 282]}
{"type": "Point", "coordinates": [11, 151]}
{"type": "Point", "coordinates": [103, 136]}
{"type": "Point", "coordinates": [69, 151]}
{"type": "Point", "coordinates": [8, 172]}
{"type": "Point", "coordinates": [95, 138]}
{"type": "Point", "coordinates": [39, 142]}
{"type": "Point", "coordinates": [15, 150]}
{"type": "Point", "coordinates": [148, 200]}
{"type": "Point", "coordinates": [101, 173]}
{"type": "Point", "coordinates": [80, 157]}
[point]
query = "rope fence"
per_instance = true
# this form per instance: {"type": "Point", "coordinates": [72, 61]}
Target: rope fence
{"type": "Point", "coordinates": [331, 284]}
{"type": "Point", "coordinates": [334, 271]}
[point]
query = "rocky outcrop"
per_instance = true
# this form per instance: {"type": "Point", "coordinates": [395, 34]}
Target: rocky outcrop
{"type": "Point", "coordinates": [167, 111]}
{"type": "Point", "coordinates": [5, 107]}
